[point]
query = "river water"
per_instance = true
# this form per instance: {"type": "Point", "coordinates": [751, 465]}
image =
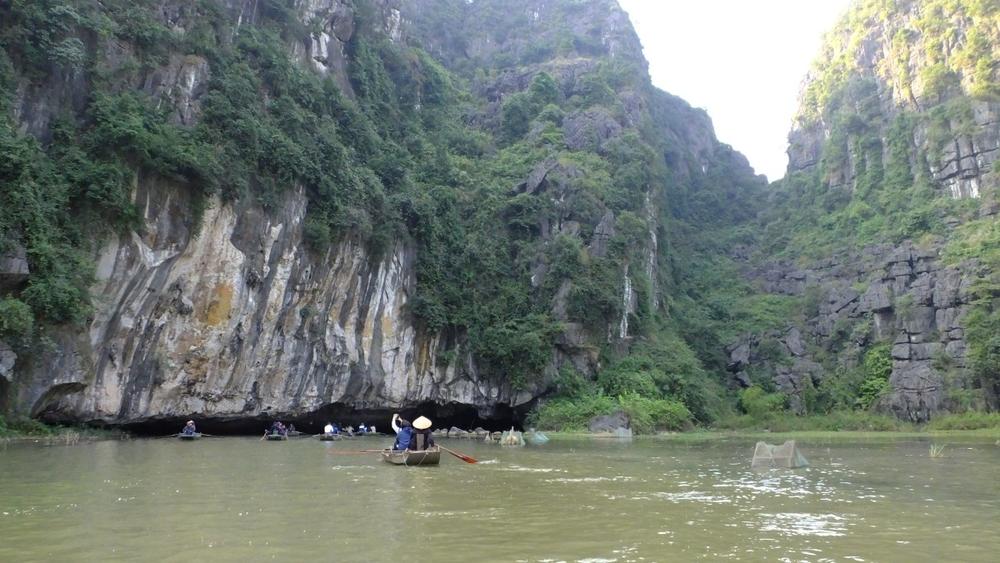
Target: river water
{"type": "Point", "coordinates": [240, 499]}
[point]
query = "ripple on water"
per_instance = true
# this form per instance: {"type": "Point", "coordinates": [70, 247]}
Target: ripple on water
{"type": "Point", "coordinates": [804, 524]}
{"type": "Point", "coordinates": [693, 496]}
{"type": "Point", "coordinates": [617, 478]}
{"type": "Point", "coordinates": [532, 469]}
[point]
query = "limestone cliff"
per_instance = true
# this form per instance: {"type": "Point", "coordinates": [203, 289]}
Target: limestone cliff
{"type": "Point", "coordinates": [899, 116]}
{"type": "Point", "coordinates": [232, 316]}
{"type": "Point", "coordinates": [219, 306]}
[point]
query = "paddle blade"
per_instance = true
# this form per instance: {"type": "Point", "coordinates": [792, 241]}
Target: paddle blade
{"type": "Point", "coordinates": [463, 457]}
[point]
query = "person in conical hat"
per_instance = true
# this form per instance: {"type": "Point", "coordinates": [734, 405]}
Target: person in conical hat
{"type": "Point", "coordinates": [422, 438]}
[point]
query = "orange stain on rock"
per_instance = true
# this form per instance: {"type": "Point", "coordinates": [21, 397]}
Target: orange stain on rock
{"type": "Point", "coordinates": [220, 305]}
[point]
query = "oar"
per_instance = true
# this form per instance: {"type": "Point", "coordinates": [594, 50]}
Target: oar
{"type": "Point", "coordinates": [463, 457]}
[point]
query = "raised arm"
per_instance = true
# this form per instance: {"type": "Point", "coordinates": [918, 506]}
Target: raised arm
{"type": "Point", "coordinates": [395, 426]}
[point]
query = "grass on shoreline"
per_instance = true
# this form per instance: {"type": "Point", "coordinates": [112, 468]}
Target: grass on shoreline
{"type": "Point", "coordinates": [843, 425]}
{"type": "Point", "coordinates": [30, 430]}
{"type": "Point", "coordinates": [859, 421]}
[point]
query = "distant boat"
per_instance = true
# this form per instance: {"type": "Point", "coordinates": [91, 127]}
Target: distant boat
{"type": "Point", "coordinates": [430, 456]}
{"type": "Point", "coordinates": [277, 437]}
{"type": "Point", "coordinates": [194, 436]}
{"type": "Point", "coordinates": [328, 437]}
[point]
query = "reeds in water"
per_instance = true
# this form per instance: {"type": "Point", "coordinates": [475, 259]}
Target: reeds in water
{"type": "Point", "coordinates": [937, 451]}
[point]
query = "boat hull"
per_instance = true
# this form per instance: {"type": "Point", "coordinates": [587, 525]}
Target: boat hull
{"type": "Point", "coordinates": [276, 437]}
{"type": "Point", "coordinates": [195, 436]}
{"type": "Point", "coordinates": [328, 437]}
{"type": "Point", "coordinates": [430, 456]}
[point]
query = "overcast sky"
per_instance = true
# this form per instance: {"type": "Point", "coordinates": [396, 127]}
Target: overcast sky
{"type": "Point", "coordinates": [742, 60]}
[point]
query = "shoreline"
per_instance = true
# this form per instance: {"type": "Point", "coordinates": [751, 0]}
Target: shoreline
{"type": "Point", "coordinates": [707, 435]}
{"type": "Point", "coordinates": [61, 435]}
{"type": "Point", "coordinates": [68, 436]}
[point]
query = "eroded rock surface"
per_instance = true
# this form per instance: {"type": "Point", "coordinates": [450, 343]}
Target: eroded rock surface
{"type": "Point", "coordinates": [904, 295]}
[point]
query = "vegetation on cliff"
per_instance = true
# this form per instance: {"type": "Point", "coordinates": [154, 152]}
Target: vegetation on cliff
{"type": "Point", "coordinates": [888, 149]}
{"type": "Point", "coordinates": [575, 229]}
{"type": "Point", "coordinates": [414, 152]}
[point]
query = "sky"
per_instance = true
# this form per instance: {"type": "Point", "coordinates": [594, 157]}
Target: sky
{"type": "Point", "coordinates": [741, 60]}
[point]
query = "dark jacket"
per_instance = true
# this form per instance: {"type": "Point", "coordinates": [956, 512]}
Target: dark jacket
{"type": "Point", "coordinates": [403, 438]}
{"type": "Point", "coordinates": [428, 440]}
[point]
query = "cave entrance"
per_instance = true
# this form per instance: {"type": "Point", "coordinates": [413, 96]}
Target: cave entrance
{"type": "Point", "coordinates": [443, 416]}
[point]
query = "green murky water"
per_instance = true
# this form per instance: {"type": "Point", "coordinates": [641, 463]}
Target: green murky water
{"type": "Point", "coordinates": [239, 499]}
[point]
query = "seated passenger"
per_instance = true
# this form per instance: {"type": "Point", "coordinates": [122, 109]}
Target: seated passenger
{"type": "Point", "coordinates": [404, 432]}
{"type": "Point", "coordinates": [189, 428]}
{"type": "Point", "coordinates": [328, 429]}
{"type": "Point", "coordinates": [421, 438]}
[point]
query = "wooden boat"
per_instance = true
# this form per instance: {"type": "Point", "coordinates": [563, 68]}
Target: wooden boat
{"type": "Point", "coordinates": [277, 437]}
{"type": "Point", "coordinates": [430, 456]}
{"type": "Point", "coordinates": [328, 437]}
{"type": "Point", "coordinates": [194, 436]}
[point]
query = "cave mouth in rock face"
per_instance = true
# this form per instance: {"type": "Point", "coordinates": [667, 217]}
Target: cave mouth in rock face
{"type": "Point", "coordinates": [466, 417]}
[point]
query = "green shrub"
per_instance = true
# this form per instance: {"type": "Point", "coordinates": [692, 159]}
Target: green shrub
{"type": "Point", "coordinates": [650, 415]}
{"type": "Point", "coordinates": [571, 383]}
{"type": "Point", "coordinates": [571, 414]}
{"type": "Point", "coordinates": [629, 377]}
{"type": "Point", "coordinates": [759, 404]}
{"type": "Point", "coordinates": [521, 347]}
{"type": "Point", "coordinates": [25, 426]}
{"type": "Point", "coordinates": [16, 319]}
{"type": "Point", "coordinates": [646, 415]}
{"type": "Point", "coordinates": [877, 368]}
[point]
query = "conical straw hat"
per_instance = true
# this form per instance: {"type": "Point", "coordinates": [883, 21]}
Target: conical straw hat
{"type": "Point", "coordinates": [422, 423]}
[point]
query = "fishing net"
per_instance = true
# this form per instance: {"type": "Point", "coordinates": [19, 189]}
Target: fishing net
{"type": "Point", "coordinates": [623, 433]}
{"type": "Point", "coordinates": [787, 455]}
{"type": "Point", "coordinates": [535, 438]}
{"type": "Point", "coordinates": [512, 438]}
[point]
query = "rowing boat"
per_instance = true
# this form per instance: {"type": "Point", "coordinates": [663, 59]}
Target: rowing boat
{"type": "Point", "coordinates": [277, 437]}
{"type": "Point", "coordinates": [328, 437]}
{"type": "Point", "coordinates": [194, 436]}
{"type": "Point", "coordinates": [430, 456]}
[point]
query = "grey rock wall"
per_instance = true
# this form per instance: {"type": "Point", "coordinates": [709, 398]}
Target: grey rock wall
{"type": "Point", "coordinates": [961, 165]}
{"type": "Point", "coordinates": [242, 320]}
{"type": "Point", "coordinates": [901, 294]}
{"type": "Point", "coordinates": [234, 317]}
